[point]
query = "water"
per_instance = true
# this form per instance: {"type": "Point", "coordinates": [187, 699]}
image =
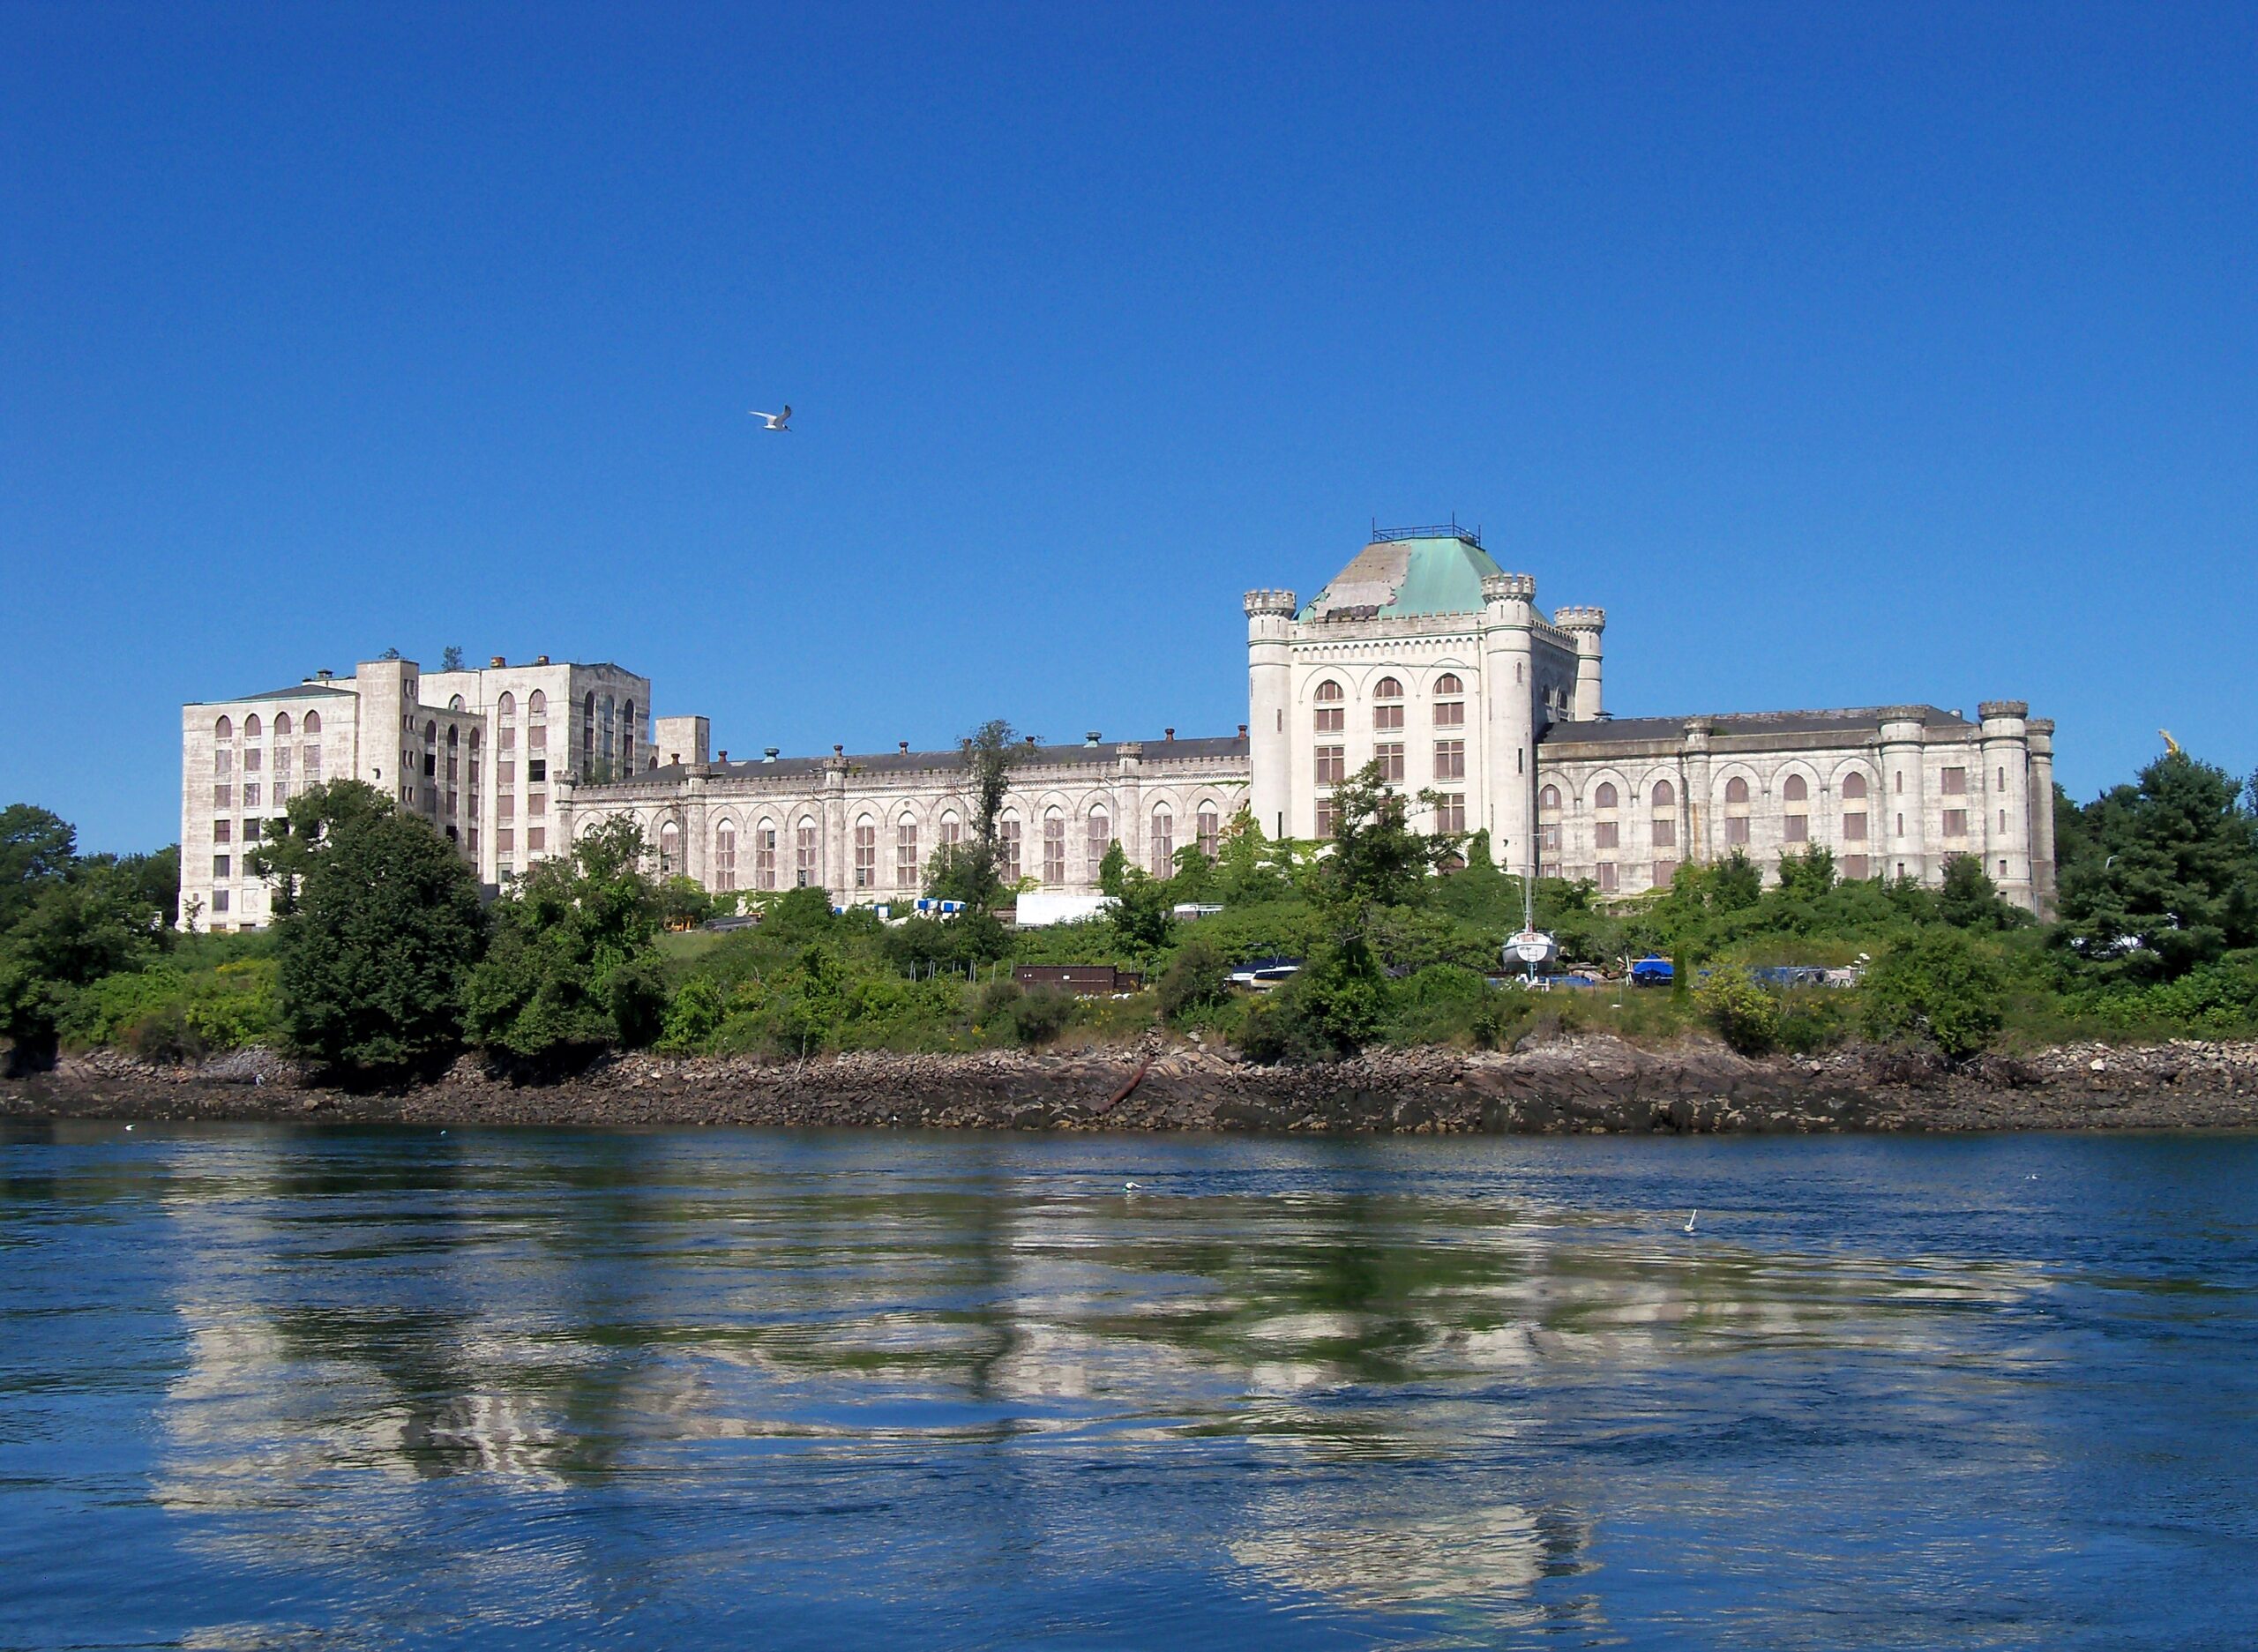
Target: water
{"type": "Point", "coordinates": [264, 1386]}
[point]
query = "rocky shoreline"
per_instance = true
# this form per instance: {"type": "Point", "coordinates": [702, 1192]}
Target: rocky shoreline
{"type": "Point", "coordinates": [1567, 1085]}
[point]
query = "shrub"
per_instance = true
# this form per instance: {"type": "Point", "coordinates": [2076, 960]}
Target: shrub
{"type": "Point", "coordinates": [1746, 1017]}
{"type": "Point", "coordinates": [1198, 977]}
{"type": "Point", "coordinates": [1040, 1016]}
{"type": "Point", "coordinates": [693, 1016]}
{"type": "Point", "coordinates": [1939, 988]}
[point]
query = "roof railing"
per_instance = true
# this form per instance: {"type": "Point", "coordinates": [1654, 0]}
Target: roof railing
{"type": "Point", "coordinates": [1436, 530]}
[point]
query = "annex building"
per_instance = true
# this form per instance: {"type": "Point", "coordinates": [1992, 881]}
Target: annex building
{"type": "Point", "coordinates": [1421, 655]}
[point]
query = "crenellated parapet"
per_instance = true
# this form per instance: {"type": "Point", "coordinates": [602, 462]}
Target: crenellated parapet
{"type": "Point", "coordinates": [1580, 618]}
{"type": "Point", "coordinates": [1270, 603]}
{"type": "Point", "coordinates": [1509, 588]}
{"type": "Point", "coordinates": [1991, 708]}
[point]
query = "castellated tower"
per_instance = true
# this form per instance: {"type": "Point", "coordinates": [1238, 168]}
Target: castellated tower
{"type": "Point", "coordinates": [1585, 625]}
{"type": "Point", "coordinates": [1509, 678]}
{"type": "Point", "coordinates": [1269, 695]}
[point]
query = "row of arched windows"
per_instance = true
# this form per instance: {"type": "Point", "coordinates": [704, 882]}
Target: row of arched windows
{"type": "Point", "coordinates": [1795, 788]}
{"type": "Point", "coordinates": [225, 729]}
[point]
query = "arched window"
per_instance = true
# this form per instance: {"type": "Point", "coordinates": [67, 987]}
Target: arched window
{"type": "Point", "coordinates": [1387, 710]}
{"type": "Point", "coordinates": [454, 737]}
{"type": "Point", "coordinates": [431, 733]}
{"type": "Point", "coordinates": [281, 725]}
{"type": "Point", "coordinates": [1737, 811]}
{"type": "Point", "coordinates": [866, 852]}
{"type": "Point", "coordinates": [627, 738]}
{"type": "Point", "coordinates": [951, 828]}
{"type": "Point", "coordinates": [1662, 824]}
{"type": "Point", "coordinates": [588, 734]}
{"type": "Point", "coordinates": [1665, 795]}
{"type": "Point", "coordinates": [537, 704]}
{"type": "Point", "coordinates": [803, 849]}
{"type": "Point", "coordinates": [1164, 845]}
{"type": "Point", "coordinates": [1548, 799]}
{"type": "Point", "coordinates": [455, 704]}
{"type": "Point", "coordinates": [506, 708]}
{"type": "Point", "coordinates": [1605, 797]}
{"type": "Point", "coordinates": [1796, 790]}
{"type": "Point", "coordinates": [1211, 832]}
{"type": "Point", "coordinates": [250, 727]}
{"type": "Point", "coordinates": [312, 724]}
{"type": "Point", "coordinates": [537, 723]}
{"type": "Point", "coordinates": [669, 849]}
{"type": "Point", "coordinates": [907, 876]}
{"type": "Point", "coordinates": [1007, 844]}
{"type": "Point", "coordinates": [1450, 703]}
{"type": "Point", "coordinates": [1332, 715]}
{"type": "Point", "coordinates": [223, 729]}
{"type": "Point", "coordinates": [725, 856]}
{"type": "Point", "coordinates": [1854, 785]}
{"type": "Point", "coordinates": [1795, 823]}
{"type": "Point", "coordinates": [764, 856]}
{"type": "Point", "coordinates": [1054, 847]}
{"type": "Point", "coordinates": [1100, 839]}
{"type": "Point", "coordinates": [1328, 690]}
{"type": "Point", "coordinates": [1737, 790]}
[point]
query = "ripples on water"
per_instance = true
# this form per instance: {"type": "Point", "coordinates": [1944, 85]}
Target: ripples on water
{"type": "Point", "coordinates": [266, 1386]}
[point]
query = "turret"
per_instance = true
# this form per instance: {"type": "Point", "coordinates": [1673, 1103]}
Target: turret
{"type": "Point", "coordinates": [1510, 693]}
{"type": "Point", "coordinates": [2040, 732]}
{"type": "Point", "coordinates": [1269, 704]}
{"type": "Point", "coordinates": [2006, 784]}
{"type": "Point", "coordinates": [1905, 790]}
{"type": "Point", "coordinates": [1585, 625]}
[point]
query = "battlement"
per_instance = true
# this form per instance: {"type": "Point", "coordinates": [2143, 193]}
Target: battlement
{"type": "Point", "coordinates": [1509, 588]}
{"type": "Point", "coordinates": [1270, 603]}
{"type": "Point", "coordinates": [1991, 708]}
{"type": "Point", "coordinates": [1580, 618]}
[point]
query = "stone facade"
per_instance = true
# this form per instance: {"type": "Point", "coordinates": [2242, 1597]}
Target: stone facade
{"type": "Point", "coordinates": [1422, 655]}
{"type": "Point", "coordinates": [481, 754]}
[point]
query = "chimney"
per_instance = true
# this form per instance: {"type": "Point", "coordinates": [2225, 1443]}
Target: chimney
{"type": "Point", "coordinates": [725, 754]}
{"type": "Point", "coordinates": [540, 659]}
{"type": "Point", "coordinates": [497, 663]}
{"type": "Point", "coordinates": [839, 751]}
{"type": "Point", "coordinates": [1169, 733]}
{"type": "Point", "coordinates": [1242, 731]}
{"type": "Point", "coordinates": [1091, 738]}
{"type": "Point", "coordinates": [324, 674]}
{"type": "Point", "coordinates": [905, 748]}
{"type": "Point", "coordinates": [1030, 742]}
{"type": "Point", "coordinates": [769, 755]}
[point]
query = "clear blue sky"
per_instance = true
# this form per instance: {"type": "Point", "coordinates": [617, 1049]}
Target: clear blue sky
{"type": "Point", "coordinates": [1844, 356]}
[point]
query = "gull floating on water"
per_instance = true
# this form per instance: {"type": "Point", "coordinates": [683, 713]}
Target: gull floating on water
{"type": "Point", "coordinates": [1690, 1217]}
{"type": "Point", "coordinates": [775, 421]}
{"type": "Point", "coordinates": [1131, 1187]}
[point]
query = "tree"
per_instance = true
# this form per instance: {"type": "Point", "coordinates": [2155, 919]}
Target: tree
{"type": "Point", "coordinates": [2170, 880]}
{"type": "Point", "coordinates": [90, 920]}
{"type": "Point", "coordinates": [1247, 866]}
{"type": "Point", "coordinates": [1140, 913]}
{"type": "Point", "coordinates": [288, 852]}
{"type": "Point", "coordinates": [37, 847]}
{"type": "Point", "coordinates": [1938, 987]}
{"type": "Point", "coordinates": [1378, 860]}
{"type": "Point", "coordinates": [1746, 1017]}
{"type": "Point", "coordinates": [1113, 869]}
{"type": "Point", "coordinates": [968, 871]}
{"type": "Point", "coordinates": [374, 947]}
{"type": "Point", "coordinates": [683, 903]}
{"type": "Point", "coordinates": [571, 968]}
{"type": "Point", "coordinates": [1967, 899]}
{"type": "Point", "coordinates": [451, 658]}
{"type": "Point", "coordinates": [1198, 977]}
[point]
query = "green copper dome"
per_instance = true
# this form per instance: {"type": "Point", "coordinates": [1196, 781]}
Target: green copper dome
{"type": "Point", "coordinates": [1424, 571]}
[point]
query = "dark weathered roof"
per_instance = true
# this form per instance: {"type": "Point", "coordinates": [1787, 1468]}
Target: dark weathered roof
{"type": "Point", "coordinates": [302, 691]}
{"type": "Point", "coordinates": [919, 762]}
{"type": "Point", "coordinates": [1848, 722]}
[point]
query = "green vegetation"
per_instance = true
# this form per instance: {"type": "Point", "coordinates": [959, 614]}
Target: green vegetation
{"type": "Point", "coordinates": [382, 961]}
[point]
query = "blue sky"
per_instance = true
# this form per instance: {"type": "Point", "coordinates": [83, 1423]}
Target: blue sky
{"type": "Point", "coordinates": [1845, 356]}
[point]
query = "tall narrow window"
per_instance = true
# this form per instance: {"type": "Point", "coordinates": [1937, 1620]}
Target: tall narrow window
{"type": "Point", "coordinates": [725, 857]}
{"type": "Point", "coordinates": [1737, 811]}
{"type": "Point", "coordinates": [1163, 844]}
{"type": "Point", "coordinates": [1331, 714]}
{"type": "Point", "coordinates": [1450, 760]}
{"type": "Point", "coordinates": [1450, 813]}
{"type": "Point", "coordinates": [1210, 827]}
{"type": "Point", "coordinates": [866, 854]}
{"type": "Point", "coordinates": [1608, 882]}
{"type": "Point", "coordinates": [1054, 848]}
{"type": "Point", "coordinates": [1663, 820]}
{"type": "Point", "coordinates": [537, 721]}
{"type": "Point", "coordinates": [803, 866]}
{"type": "Point", "coordinates": [1007, 844]}
{"type": "Point", "coordinates": [1326, 816]}
{"type": "Point", "coordinates": [1389, 755]}
{"type": "Point", "coordinates": [952, 829]}
{"type": "Point", "coordinates": [907, 874]}
{"type": "Point", "coordinates": [1101, 838]}
{"type": "Point", "coordinates": [764, 856]}
{"type": "Point", "coordinates": [1795, 824]}
{"type": "Point", "coordinates": [505, 722]}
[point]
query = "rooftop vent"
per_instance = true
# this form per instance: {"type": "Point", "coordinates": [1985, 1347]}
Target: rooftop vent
{"type": "Point", "coordinates": [540, 659]}
{"type": "Point", "coordinates": [497, 663]}
{"type": "Point", "coordinates": [905, 747]}
{"type": "Point", "coordinates": [1242, 731]}
{"type": "Point", "coordinates": [769, 755]}
{"type": "Point", "coordinates": [1030, 742]}
{"type": "Point", "coordinates": [1091, 738]}
{"type": "Point", "coordinates": [1168, 733]}
{"type": "Point", "coordinates": [324, 674]}
{"type": "Point", "coordinates": [725, 754]}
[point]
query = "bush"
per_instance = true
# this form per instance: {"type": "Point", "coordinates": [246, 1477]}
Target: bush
{"type": "Point", "coordinates": [1938, 988]}
{"type": "Point", "coordinates": [1746, 1017]}
{"type": "Point", "coordinates": [694, 1015]}
{"type": "Point", "coordinates": [1198, 977]}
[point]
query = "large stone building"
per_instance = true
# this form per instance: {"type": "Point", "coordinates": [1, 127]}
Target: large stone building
{"type": "Point", "coordinates": [1422, 655]}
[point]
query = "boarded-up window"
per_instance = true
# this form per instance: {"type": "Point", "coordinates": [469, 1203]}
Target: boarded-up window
{"type": "Point", "coordinates": [1955, 783]}
{"type": "Point", "coordinates": [1665, 872]}
{"type": "Point", "coordinates": [1796, 790]}
{"type": "Point", "coordinates": [1604, 798]}
{"type": "Point", "coordinates": [1854, 826]}
{"type": "Point", "coordinates": [1606, 870]}
{"type": "Point", "coordinates": [1857, 868]}
{"type": "Point", "coordinates": [803, 866]}
{"type": "Point", "coordinates": [1796, 828]}
{"type": "Point", "coordinates": [1854, 785]}
{"type": "Point", "coordinates": [1736, 828]}
{"type": "Point", "coordinates": [1956, 823]}
{"type": "Point", "coordinates": [1603, 835]}
{"type": "Point", "coordinates": [1665, 831]}
{"type": "Point", "coordinates": [1737, 790]}
{"type": "Point", "coordinates": [1450, 709]}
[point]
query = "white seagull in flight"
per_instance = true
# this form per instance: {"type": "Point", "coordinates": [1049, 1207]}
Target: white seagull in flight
{"type": "Point", "coordinates": [775, 421]}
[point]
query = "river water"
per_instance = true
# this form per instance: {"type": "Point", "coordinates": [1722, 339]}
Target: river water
{"type": "Point", "coordinates": [263, 1385]}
